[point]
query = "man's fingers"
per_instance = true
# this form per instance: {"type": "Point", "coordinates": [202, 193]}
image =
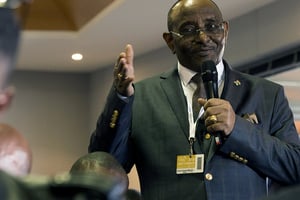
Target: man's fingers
{"type": "Point", "coordinates": [129, 54]}
{"type": "Point", "coordinates": [124, 72]}
{"type": "Point", "coordinates": [202, 101]}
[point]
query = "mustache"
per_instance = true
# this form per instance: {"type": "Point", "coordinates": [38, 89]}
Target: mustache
{"type": "Point", "coordinates": [202, 49]}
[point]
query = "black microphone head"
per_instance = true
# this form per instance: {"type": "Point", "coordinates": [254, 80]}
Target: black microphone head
{"type": "Point", "coordinates": [210, 79]}
{"type": "Point", "coordinates": [209, 71]}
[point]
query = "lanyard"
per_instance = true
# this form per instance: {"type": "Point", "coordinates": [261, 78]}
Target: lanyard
{"type": "Point", "coordinates": [192, 122]}
{"type": "Point", "coordinates": [192, 125]}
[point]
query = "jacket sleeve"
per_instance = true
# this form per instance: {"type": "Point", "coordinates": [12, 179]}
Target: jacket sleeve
{"type": "Point", "coordinates": [113, 129]}
{"type": "Point", "coordinates": [273, 148]}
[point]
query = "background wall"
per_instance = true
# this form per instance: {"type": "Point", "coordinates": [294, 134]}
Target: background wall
{"type": "Point", "coordinates": [268, 30]}
{"type": "Point", "coordinates": [51, 110]}
{"type": "Point", "coordinates": [58, 111]}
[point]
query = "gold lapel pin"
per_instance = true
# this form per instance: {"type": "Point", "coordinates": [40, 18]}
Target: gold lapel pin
{"type": "Point", "coordinates": [237, 82]}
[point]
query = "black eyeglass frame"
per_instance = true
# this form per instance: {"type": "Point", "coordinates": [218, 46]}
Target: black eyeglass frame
{"type": "Point", "coordinates": [219, 27]}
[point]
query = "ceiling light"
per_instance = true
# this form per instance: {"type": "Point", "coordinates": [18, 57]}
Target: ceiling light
{"type": "Point", "coordinates": [77, 56]}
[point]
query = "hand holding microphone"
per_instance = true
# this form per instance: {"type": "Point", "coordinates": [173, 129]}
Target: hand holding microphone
{"type": "Point", "coordinates": [219, 115]}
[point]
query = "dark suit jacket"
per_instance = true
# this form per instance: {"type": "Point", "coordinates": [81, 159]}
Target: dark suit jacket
{"type": "Point", "coordinates": [290, 193]}
{"type": "Point", "coordinates": [151, 129]}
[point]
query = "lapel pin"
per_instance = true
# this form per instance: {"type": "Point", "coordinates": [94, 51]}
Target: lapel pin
{"type": "Point", "coordinates": [237, 82]}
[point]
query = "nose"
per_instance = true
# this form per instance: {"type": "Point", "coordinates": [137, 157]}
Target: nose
{"type": "Point", "coordinates": [202, 36]}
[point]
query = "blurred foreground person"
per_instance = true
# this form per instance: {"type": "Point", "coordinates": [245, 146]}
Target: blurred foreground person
{"type": "Point", "coordinates": [15, 152]}
{"type": "Point", "coordinates": [59, 187]}
{"type": "Point", "coordinates": [98, 163]}
{"type": "Point", "coordinates": [15, 155]}
{"type": "Point", "coordinates": [9, 41]}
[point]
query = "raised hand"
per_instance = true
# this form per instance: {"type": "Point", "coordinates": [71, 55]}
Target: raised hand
{"type": "Point", "coordinates": [124, 72]}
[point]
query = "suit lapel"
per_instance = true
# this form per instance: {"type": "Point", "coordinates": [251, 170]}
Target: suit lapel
{"type": "Point", "coordinates": [172, 87]}
{"type": "Point", "coordinates": [235, 90]}
{"type": "Point", "coordinates": [212, 149]}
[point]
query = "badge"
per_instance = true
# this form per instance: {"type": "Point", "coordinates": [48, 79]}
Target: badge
{"type": "Point", "coordinates": [190, 164]}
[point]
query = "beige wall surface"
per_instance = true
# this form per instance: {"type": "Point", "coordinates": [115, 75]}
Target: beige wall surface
{"type": "Point", "coordinates": [51, 110]}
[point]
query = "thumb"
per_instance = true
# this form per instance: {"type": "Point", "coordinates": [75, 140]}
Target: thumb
{"type": "Point", "coordinates": [129, 54]}
{"type": "Point", "coordinates": [202, 101]}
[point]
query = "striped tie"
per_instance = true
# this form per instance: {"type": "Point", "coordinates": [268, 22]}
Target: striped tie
{"type": "Point", "coordinates": [199, 93]}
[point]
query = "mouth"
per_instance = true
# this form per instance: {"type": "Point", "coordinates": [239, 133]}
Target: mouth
{"type": "Point", "coordinates": [203, 52]}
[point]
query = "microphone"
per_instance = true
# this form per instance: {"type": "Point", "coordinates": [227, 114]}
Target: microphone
{"type": "Point", "coordinates": [209, 76]}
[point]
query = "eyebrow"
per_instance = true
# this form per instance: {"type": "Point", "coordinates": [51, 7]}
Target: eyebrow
{"type": "Point", "coordinates": [196, 24]}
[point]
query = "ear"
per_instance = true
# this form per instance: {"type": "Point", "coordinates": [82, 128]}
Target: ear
{"type": "Point", "coordinates": [6, 98]}
{"type": "Point", "coordinates": [169, 40]}
{"type": "Point", "coordinates": [226, 28]}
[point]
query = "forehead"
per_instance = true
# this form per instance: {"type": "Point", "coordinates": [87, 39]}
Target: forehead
{"type": "Point", "coordinates": [196, 11]}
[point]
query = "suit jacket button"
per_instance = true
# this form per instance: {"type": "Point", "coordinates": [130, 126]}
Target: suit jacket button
{"type": "Point", "coordinates": [208, 176]}
{"type": "Point", "coordinates": [113, 119]}
{"type": "Point", "coordinates": [207, 136]}
{"type": "Point", "coordinates": [232, 154]}
{"type": "Point", "coordinates": [116, 113]}
{"type": "Point", "coordinates": [112, 125]}
{"type": "Point", "coordinates": [245, 161]}
{"type": "Point", "coordinates": [236, 157]}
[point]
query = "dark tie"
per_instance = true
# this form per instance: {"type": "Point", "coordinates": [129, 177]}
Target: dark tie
{"type": "Point", "coordinates": [199, 93]}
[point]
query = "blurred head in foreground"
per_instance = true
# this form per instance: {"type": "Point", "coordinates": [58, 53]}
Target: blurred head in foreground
{"type": "Point", "coordinates": [99, 163]}
{"type": "Point", "coordinates": [9, 41]}
{"type": "Point", "coordinates": [15, 153]}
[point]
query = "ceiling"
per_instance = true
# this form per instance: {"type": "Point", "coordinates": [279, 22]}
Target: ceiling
{"type": "Point", "coordinates": [99, 29]}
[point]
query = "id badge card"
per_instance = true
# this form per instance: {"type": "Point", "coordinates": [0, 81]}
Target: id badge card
{"type": "Point", "coordinates": [190, 164]}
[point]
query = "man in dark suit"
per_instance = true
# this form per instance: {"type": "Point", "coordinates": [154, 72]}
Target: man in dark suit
{"type": "Point", "coordinates": [237, 146]}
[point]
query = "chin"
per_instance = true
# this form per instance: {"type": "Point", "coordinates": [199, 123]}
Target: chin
{"type": "Point", "coordinates": [199, 61]}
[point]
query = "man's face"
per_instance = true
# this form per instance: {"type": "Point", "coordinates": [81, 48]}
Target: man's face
{"type": "Point", "coordinates": [202, 33]}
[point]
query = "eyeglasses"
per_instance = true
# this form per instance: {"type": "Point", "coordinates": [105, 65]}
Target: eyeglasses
{"type": "Point", "coordinates": [210, 29]}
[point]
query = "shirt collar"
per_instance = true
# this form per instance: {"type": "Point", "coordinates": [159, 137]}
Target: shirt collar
{"type": "Point", "coordinates": [186, 74]}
